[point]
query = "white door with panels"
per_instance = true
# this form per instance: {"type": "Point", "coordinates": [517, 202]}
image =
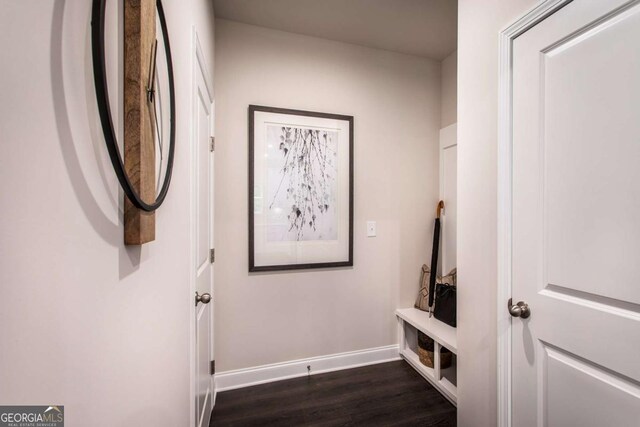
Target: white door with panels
{"type": "Point", "coordinates": [575, 218]}
{"type": "Point", "coordinates": [449, 194]}
{"type": "Point", "coordinates": [202, 240]}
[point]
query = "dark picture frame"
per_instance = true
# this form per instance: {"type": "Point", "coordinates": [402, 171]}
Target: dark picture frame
{"type": "Point", "coordinates": [310, 217]}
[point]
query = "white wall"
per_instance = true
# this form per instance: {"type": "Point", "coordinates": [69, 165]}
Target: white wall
{"type": "Point", "coordinates": [84, 321]}
{"type": "Point", "coordinates": [479, 24]}
{"type": "Point", "coordinates": [449, 85]}
{"type": "Point", "coordinates": [395, 98]}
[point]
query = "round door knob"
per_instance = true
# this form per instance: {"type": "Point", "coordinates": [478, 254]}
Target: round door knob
{"type": "Point", "coordinates": [520, 309]}
{"type": "Point", "coordinates": [204, 298]}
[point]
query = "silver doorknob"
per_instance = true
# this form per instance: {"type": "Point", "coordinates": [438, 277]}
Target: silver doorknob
{"type": "Point", "coordinates": [521, 309]}
{"type": "Point", "coordinates": [204, 298]}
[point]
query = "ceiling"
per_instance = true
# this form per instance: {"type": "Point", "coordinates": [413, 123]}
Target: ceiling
{"type": "Point", "coordinates": [425, 28]}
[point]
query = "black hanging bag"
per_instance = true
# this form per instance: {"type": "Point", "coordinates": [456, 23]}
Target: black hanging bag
{"type": "Point", "coordinates": [445, 308]}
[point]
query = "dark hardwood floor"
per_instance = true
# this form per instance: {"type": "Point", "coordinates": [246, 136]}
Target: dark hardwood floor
{"type": "Point", "coordinates": [387, 394]}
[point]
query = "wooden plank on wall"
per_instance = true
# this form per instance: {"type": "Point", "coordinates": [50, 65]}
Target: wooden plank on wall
{"type": "Point", "coordinates": [139, 136]}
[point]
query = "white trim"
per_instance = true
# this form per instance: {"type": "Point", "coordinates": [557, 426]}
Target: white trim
{"type": "Point", "coordinates": [531, 18]}
{"type": "Point", "coordinates": [239, 378]}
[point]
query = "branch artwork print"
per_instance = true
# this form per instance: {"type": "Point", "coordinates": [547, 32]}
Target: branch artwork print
{"type": "Point", "coordinates": [301, 183]}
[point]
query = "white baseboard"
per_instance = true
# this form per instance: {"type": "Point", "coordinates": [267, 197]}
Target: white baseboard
{"type": "Point", "coordinates": [230, 380]}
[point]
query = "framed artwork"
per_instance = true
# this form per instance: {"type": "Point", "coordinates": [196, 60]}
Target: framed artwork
{"type": "Point", "coordinates": [300, 189]}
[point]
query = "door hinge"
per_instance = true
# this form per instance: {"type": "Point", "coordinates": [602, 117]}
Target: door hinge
{"type": "Point", "coordinates": [212, 256]}
{"type": "Point", "coordinates": [212, 143]}
{"type": "Point", "coordinates": [212, 369]}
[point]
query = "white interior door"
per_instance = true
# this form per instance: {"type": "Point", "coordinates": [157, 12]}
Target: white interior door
{"type": "Point", "coordinates": [203, 242]}
{"type": "Point", "coordinates": [576, 217]}
{"type": "Point", "coordinates": [448, 194]}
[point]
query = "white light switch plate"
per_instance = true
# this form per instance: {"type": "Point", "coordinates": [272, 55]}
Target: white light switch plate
{"type": "Point", "coordinates": [371, 229]}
